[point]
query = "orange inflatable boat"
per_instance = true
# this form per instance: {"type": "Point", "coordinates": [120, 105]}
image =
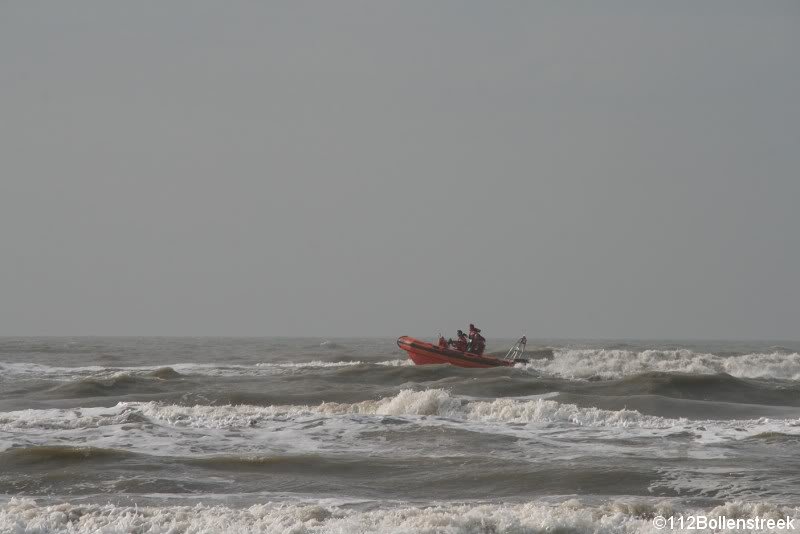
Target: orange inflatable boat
{"type": "Point", "coordinates": [424, 353]}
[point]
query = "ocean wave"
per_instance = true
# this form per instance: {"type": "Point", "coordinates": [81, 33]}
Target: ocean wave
{"type": "Point", "coordinates": [59, 454]}
{"type": "Point", "coordinates": [69, 419]}
{"type": "Point", "coordinates": [777, 438]}
{"type": "Point", "coordinates": [611, 364]}
{"type": "Point", "coordinates": [116, 384]}
{"type": "Point", "coordinates": [434, 403]}
{"type": "Point", "coordinates": [177, 370]}
{"type": "Point", "coordinates": [430, 402]}
{"type": "Point", "coordinates": [615, 517]}
{"type": "Point", "coordinates": [707, 387]}
{"type": "Point", "coordinates": [440, 403]}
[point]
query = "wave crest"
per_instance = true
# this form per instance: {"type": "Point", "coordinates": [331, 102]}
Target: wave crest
{"type": "Point", "coordinates": [609, 364]}
{"type": "Point", "coordinates": [616, 517]}
{"type": "Point", "coordinates": [408, 403]}
{"type": "Point", "coordinates": [430, 402]}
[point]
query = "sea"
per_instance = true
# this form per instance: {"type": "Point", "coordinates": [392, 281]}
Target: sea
{"type": "Point", "coordinates": [289, 435]}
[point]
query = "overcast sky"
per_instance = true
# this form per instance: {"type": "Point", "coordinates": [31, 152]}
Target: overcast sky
{"type": "Point", "coordinates": [561, 169]}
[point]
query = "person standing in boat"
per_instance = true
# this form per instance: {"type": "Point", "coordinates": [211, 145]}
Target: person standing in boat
{"type": "Point", "coordinates": [477, 343]}
{"type": "Point", "coordinates": [462, 342]}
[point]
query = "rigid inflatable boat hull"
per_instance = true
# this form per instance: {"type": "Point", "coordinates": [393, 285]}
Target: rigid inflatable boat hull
{"type": "Point", "coordinates": [424, 353]}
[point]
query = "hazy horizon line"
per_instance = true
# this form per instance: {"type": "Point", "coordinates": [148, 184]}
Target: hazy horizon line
{"type": "Point", "coordinates": [339, 337]}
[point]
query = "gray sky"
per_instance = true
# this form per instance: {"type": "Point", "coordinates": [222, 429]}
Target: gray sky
{"type": "Point", "coordinates": [561, 169]}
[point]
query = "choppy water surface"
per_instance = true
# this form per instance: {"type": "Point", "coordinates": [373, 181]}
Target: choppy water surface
{"type": "Point", "coordinates": [310, 435]}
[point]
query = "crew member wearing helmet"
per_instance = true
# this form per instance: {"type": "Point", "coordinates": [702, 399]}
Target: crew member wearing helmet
{"type": "Point", "coordinates": [477, 343]}
{"type": "Point", "coordinates": [461, 342]}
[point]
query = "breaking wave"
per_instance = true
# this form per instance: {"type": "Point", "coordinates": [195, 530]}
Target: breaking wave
{"type": "Point", "coordinates": [616, 517]}
{"type": "Point", "coordinates": [177, 370]}
{"type": "Point", "coordinates": [440, 403]}
{"type": "Point", "coordinates": [618, 363]}
{"type": "Point", "coordinates": [431, 402]}
{"type": "Point", "coordinates": [68, 419]}
{"type": "Point", "coordinates": [436, 403]}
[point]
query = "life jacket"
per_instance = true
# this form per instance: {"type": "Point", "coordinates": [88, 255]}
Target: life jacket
{"type": "Point", "coordinates": [478, 344]}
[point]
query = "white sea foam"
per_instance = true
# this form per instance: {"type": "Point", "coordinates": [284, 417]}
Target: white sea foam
{"type": "Point", "coordinates": [619, 363]}
{"type": "Point", "coordinates": [176, 430]}
{"type": "Point", "coordinates": [436, 403]}
{"type": "Point", "coordinates": [430, 402]}
{"type": "Point", "coordinates": [396, 363]}
{"type": "Point", "coordinates": [443, 406]}
{"type": "Point", "coordinates": [552, 429]}
{"type": "Point", "coordinates": [33, 370]}
{"type": "Point", "coordinates": [705, 481]}
{"type": "Point", "coordinates": [66, 419]}
{"type": "Point", "coordinates": [579, 364]}
{"type": "Point", "coordinates": [616, 517]}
